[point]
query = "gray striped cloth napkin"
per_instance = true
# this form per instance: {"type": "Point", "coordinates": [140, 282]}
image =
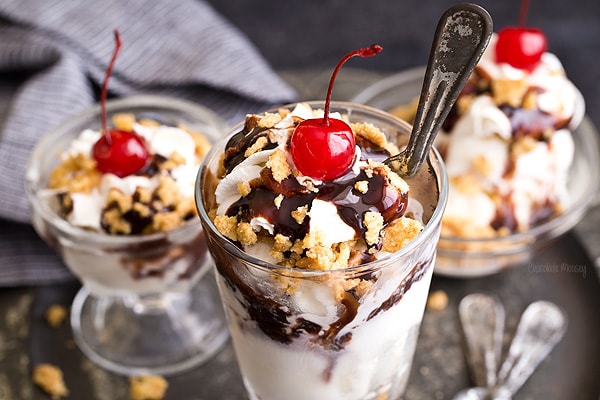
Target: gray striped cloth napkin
{"type": "Point", "coordinates": [53, 56]}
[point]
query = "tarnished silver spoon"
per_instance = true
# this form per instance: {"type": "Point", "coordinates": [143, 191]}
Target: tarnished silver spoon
{"type": "Point", "coordinates": [541, 327]}
{"type": "Point", "coordinates": [482, 320]}
{"type": "Point", "coordinates": [462, 34]}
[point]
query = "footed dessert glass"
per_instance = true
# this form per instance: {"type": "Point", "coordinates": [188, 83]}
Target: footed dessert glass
{"type": "Point", "coordinates": [144, 306]}
{"type": "Point", "coordinates": [476, 257]}
{"type": "Point", "coordinates": [296, 334]}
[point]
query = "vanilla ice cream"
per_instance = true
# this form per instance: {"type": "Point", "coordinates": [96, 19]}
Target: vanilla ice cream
{"type": "Point", "coordinates": [508, 147]}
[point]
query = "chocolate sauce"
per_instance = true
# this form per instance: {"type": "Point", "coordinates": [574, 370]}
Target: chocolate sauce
{"type": "Point", "coordinates": [369, 151]}
{"type": "Point", "coordinates": [505, 214]}
{"type": "Point", "coordinates": [238, 143]}
{"type": "Point", "coordinates": [415, 275]}
{"type": "Point", "coordinates": [260, 202]}
{"type": "Point", "coordinates": [352, 205]}
{"type": "Point", "coordinates": [529, 122]}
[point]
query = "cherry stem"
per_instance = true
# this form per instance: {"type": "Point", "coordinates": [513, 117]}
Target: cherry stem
{"type": "Point", "coordinates": [363, 52]}
{"type": "Point", "coordinates": [523, 12]}
{"type": "Point", "coordinates": [104, 90]}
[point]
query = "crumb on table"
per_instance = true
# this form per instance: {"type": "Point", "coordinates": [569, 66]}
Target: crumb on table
{"type": "Point", "coordinates": [50, 379]}
{"type": "Point", "coordinates": [437, 301]}
{"type": "Point", "coordinates": [147, 387]}
{"type": "Point", "coordinates": [55, 315]}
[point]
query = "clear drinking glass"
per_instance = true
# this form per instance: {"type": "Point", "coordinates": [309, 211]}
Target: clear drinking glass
{"type": "Point", "coordinates": [144, 306]}
{"type": "Point", "coordinates": [315, 341]}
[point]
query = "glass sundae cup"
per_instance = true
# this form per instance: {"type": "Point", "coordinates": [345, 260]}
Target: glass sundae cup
{"type": "Point", "coordinates": [145, 305]}
{"type": "Point", "coordinates": [347, 333]}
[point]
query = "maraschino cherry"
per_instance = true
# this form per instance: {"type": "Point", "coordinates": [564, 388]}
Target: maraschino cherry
{"type": "Point", "coordinates": [118, 152]}
{"type": "Point", "coordinates": [323, 148]}
{"type": "Point", "coordinates": [520, 46]}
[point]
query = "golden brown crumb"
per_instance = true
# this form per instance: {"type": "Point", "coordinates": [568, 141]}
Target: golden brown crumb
{"type": "Point", "coordinates": [50, 379]}
{"type": "Point", "coordinates": [374, 135]}
{"type": "Point", "coordinates": [482, 165]}
{"type": "Point", "coordinates": [147, 387]}
{"type": "Point", "coordinates": [123, 121]}
{"type": "Point", "coordinates": [530, 100]}
{"type": "Point", "coordinates": [466, 184]}
{"type": "Point", "coordinates": [277, 200]}
{"type": "Point", "coordinates": [114, 222]}
{"type": "Point", "coordinates": [362, 186]}
{"type": "Point", "coordinates": [75, 174]}
{"type": "Point", "coordinates": [269, 120]}
{"type": "Point", "coordinates": [399, 232]}
{"type": "Point", "coordinates": [246, 234]}
{"type": "Point", "coordinates": [227, 226]}
{"type": "Point", "coordinates": [244, 188]}
{"type": "Point", "coordinates": [115, 196]}
{"type": "Point", "coordinates": [279, 166]}
{"type": "Point", "coordinates": [282, 243]}
{"type": "Point", "coordinates": [163, 222]}
{"type": "Point", "coordinates": [437, 301]}
{"type": "Point", "coordinates": [55, 315]}
{"type": "Point", "coordinates": [374, 222]}
{"type": "Point", "coordinates": [369, 132]}
{"type": "Point", "coordinates": [396, 180]}
{"type": "Point", "coordinates": [508, 91]}
{"type": "Point", "coordinates": [317, 258]}
{"type": "Point", "coordinates": [173, 162]}
{"type": "Point", "coordinates": [522, 146]}
{"type": "Point", "coordinates": [300, 213]}
{"type": "Point", "coordinates": [257, 146]}
{"type": "Point", "coordinates": [167, 191]}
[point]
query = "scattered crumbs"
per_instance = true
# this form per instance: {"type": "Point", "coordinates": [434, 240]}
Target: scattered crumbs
{"type": "Point", "coordinates": [147, 387]}
{"type": "Point", "coordinates": [50, 379]}
{"type": "Point", "coordinates": [424, 371]}
{"type": "Point", "coordinates": [55, 315]}
{"type": "Point", "coordinates": [437, 301]}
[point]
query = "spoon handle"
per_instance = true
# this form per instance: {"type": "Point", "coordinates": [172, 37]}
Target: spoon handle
{"type": "Point", "coordinates": [461, 36]}
{"type": "Point", "coordinates": [541, 327]}
{"type": "Point", "coordinates": [482, 319]}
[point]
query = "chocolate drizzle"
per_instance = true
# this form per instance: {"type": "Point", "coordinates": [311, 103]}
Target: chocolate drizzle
{"type": "Point", "coordinates": [381, 196]}
{"type": "Point", "coordinates": [276, 320]}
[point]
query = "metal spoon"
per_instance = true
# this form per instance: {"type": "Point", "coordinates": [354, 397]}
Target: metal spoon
{"type": "Point", "coordinates": [462, 34]}
{"type": "Point", "coordinates": [541, 327]}
{"type": "Point", "coordinates": [482, 319]}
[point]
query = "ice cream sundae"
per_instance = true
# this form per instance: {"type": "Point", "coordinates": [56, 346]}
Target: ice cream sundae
{"type": "Point", "coordinates": [324, 254]}
{"type": "Point", "coordinates": [508, 142]}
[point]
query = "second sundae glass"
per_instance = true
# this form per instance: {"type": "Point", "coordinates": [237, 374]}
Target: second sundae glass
{"type": "Point", "coordinates": [144, 306]}
{"type": "Point", "coordinates": [345, 333]}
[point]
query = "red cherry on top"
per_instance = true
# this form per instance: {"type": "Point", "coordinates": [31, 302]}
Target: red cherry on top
{"type": "Point", "coordinates": [118, 152]}
{"type": "Point", "coordinates": [520, 46]}
{"type": "Point", "coordinates": [125, 153]}
{"type": "Point", "coordinates": [324, 148]}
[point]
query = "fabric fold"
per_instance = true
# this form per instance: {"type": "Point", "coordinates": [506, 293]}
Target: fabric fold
{"type": "Point", "coordinates": [53, 57]}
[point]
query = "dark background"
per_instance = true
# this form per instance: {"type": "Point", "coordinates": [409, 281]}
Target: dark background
{"type": "Point", "coordinates": [317, 33]}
